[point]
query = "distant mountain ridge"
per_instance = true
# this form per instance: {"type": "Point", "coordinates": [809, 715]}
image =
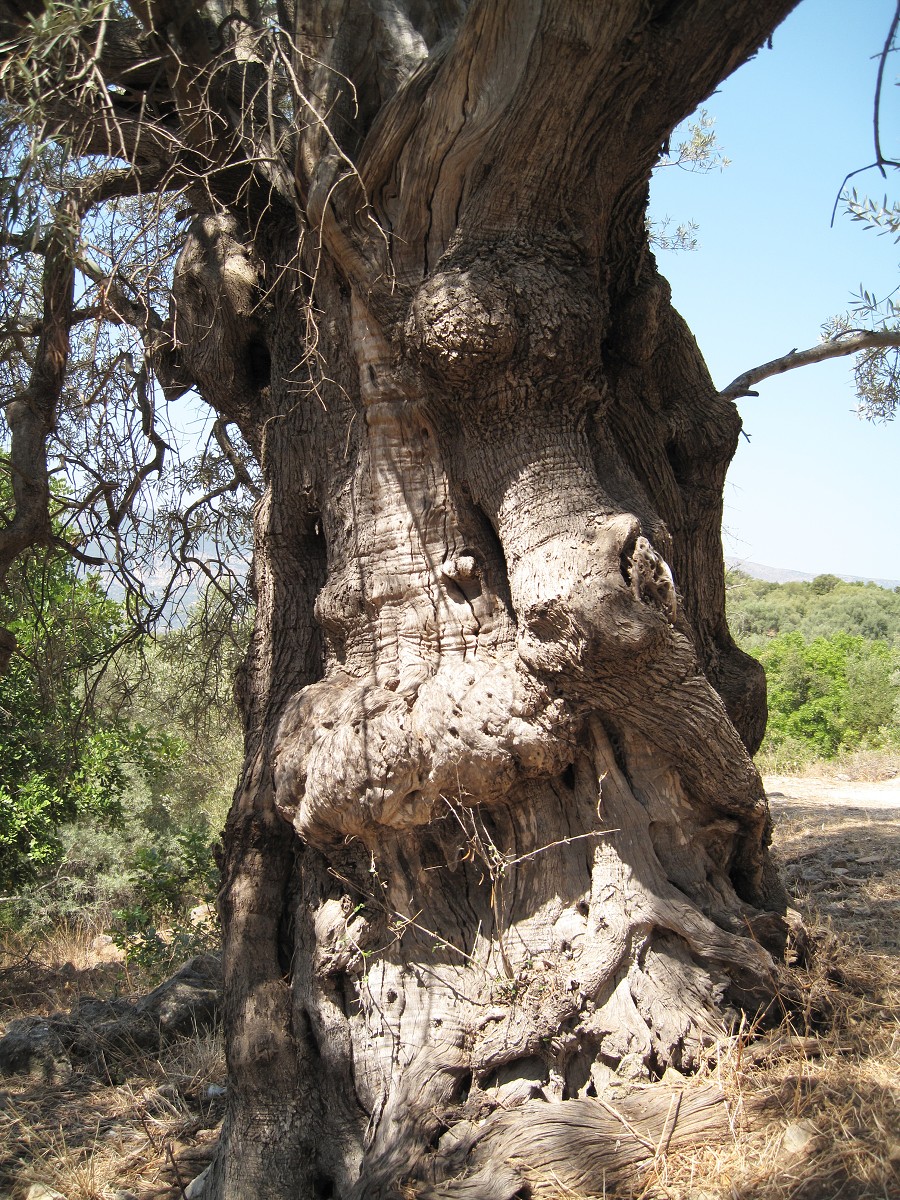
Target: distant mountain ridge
{"type": "Point", "coordinates": [782, 575]}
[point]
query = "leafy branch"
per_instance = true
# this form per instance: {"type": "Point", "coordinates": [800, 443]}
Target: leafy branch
{"type": "Point", "coordinates": [840, 346]}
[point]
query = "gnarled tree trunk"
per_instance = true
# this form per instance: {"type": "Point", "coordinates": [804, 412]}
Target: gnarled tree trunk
{"type": "Point", "coordinates": [499, 839]}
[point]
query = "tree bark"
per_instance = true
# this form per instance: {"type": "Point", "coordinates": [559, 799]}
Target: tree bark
{"type": "Point", "coordinates": [499, 843]}
{"type": "Point", "coordinates": [528, 855]}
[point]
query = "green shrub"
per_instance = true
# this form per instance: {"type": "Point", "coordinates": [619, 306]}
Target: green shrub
{"type": "Point", "coordinates": [62, 759]}
{"type": "Point", "coordinates": [829, 695]}
{"type": "Point", "coordinates": [118, 757]}
{"type": "Point", "coordinates": [169, 875]}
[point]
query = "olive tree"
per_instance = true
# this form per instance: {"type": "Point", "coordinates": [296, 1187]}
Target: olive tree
{"type": "Point", "coordinates": [499, 843]}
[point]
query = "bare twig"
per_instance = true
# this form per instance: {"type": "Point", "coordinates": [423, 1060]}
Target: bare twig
{"type": "Point", "coordinates": [631, 1129]}
{"type": "Point", "coordinates": [669, 1127]}
{"type": "Point", "coordinates": [880, 160]}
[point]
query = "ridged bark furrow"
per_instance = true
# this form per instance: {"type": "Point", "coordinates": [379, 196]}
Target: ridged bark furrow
{"type": "Point", "coordinates": [492, 702]}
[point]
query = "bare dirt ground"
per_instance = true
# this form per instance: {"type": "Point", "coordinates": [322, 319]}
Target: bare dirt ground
{"type": "Point", "coordinates": [786, 792]}
{"type": "Point", "coordinates": [815, 1105]}
{"type": "Point", "coordinates": [837, 842]}
{"type": "Point", "coordinates": [827, 1097]}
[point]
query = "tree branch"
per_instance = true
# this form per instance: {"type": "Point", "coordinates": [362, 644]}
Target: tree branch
{"type": "Point", "coordinates": [439, 155]}
{"type": "Point", "coordinates": [32, 329]}
{"type": "Point", "coordinates": [135, 180]}
{"type": "Point", "coordinates": [853, 343]}
{"type": "Point", "coordinates": [876, 119]}
{"type": "Point", "coordinates": [156, 333]}
{"type": "Point", "coordinates": [32, 415]}
{"type": "Point", "coordinates": [242, 476]}
{"type": "Point", "coordinates": [155, 465]}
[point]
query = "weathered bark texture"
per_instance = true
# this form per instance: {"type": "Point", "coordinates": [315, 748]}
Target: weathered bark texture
{"type": "Point", "coordinates": [499, 843]}
{"type": "Point", "coordinates": [520, 850]}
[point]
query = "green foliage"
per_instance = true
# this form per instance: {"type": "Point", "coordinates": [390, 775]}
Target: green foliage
{"type": "Point", "coordinates": [698, 150]}
{"type": "Point", "coordinates": [182, 683]}
{"type": "Point", "coordinates": [758, 610]}
{"type": "Point", "coordinates": [822, 584]}
{"type": "Point", "coordinates": [831, 652]}
{"type": "Point", "coordinates": [882, 216]}
{"type": "Point", "coordinates": [126, 742]}
{"type": "Point", "coordinates": [876, 370]}
{"type": "Point", "coordinates": [169, 875]}
{"type": "Point", "coordinates": [698, 147]}
{"type": "Point", "coordinates": [185, 684]}
{"type": "Point", "coordinates": [61, 758]}
{"type": "Point", "coordinates": [831, 693]}
{"type": "Point", "coordinates": [117, 764]}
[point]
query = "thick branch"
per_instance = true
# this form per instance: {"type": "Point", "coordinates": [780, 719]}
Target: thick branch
{"type": "Point", "coordinates": [865, 339]}
{"type": "Point", "coordinates": [136, 180]}
{"type": "Point", "coordinates": [711, 40]}
{"type": "Point", "coordinates": [440, 156]}
{"type": "Point", "coordinates": [32, 415]}
{"type": "Point", "coordinates": [350, 59]}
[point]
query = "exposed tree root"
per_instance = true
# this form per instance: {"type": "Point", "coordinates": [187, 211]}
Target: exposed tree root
{"type": "Point", "coordinates": [96, 1032]}
{"type": "Point", "coordinates": [585, 1146]}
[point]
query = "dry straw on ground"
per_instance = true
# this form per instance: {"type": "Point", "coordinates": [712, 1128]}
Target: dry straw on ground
{"type": "Point", "coordinates": [814, 1107]}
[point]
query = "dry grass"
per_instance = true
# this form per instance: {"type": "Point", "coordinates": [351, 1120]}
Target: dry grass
{"type": "Point", "coordinates": [43, 976]}
{"type": "Point", "coordinates": [147, 1125]}
{"type": "Point", "coordinates": [825, 1107]}
{"type": "Point", "coordinates": [814, 1106]}
{"type": "Point", "coordinates": [99, 1140]}
{"type": "Point", "coordinates": [817, 1105]}
{"type": "Point", "coordinates": [868, 766]}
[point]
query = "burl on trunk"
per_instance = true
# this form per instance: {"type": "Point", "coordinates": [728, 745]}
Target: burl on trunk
{"type": "Point", "coordinates": [499, 841]}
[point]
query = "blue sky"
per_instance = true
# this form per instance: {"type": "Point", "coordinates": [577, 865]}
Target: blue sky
{"type": "Point", "coordinates": [816, 489]}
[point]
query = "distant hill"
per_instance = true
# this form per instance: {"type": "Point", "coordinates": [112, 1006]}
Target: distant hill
{"type": "Point", "coordinates": [782, 575]}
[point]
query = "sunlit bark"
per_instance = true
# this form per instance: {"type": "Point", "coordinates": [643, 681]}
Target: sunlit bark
{"type": "Point", "coordinates": [499, 842]}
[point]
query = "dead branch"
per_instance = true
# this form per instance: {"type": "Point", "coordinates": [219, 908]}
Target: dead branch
{"type": "Point", "coordinates": [121, 308]}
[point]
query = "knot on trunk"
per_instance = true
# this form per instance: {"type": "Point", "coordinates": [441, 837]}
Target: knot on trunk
{"type": "Point", "coordinates": [575, 612]}
{"type": "Point", "coordinates": [353, 758]}
{"type": "Point", "coordinates": [461, 321]}
{"type": "Point", "coordinates": [216, 292]}
{"type": "Point", "coordinates": [651, 578]}
{"type": "Point", "coordinates": [490, 304]}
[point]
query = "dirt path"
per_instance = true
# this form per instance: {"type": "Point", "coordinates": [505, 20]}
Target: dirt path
{"type": "Point", "coordinates": [837, 844]}
{"type": "Point", "coordinates": [789, 790]}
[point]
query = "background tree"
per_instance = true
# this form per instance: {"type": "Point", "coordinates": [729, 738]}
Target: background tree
{"type": "Point", "coordinates": [117, 766]}
{"type": "Point", "coordinates": [831, 653]}
{"type": "Point", "coordinates": [64, 756]}
{"type": "Point", "coordinates": [498, 838]}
